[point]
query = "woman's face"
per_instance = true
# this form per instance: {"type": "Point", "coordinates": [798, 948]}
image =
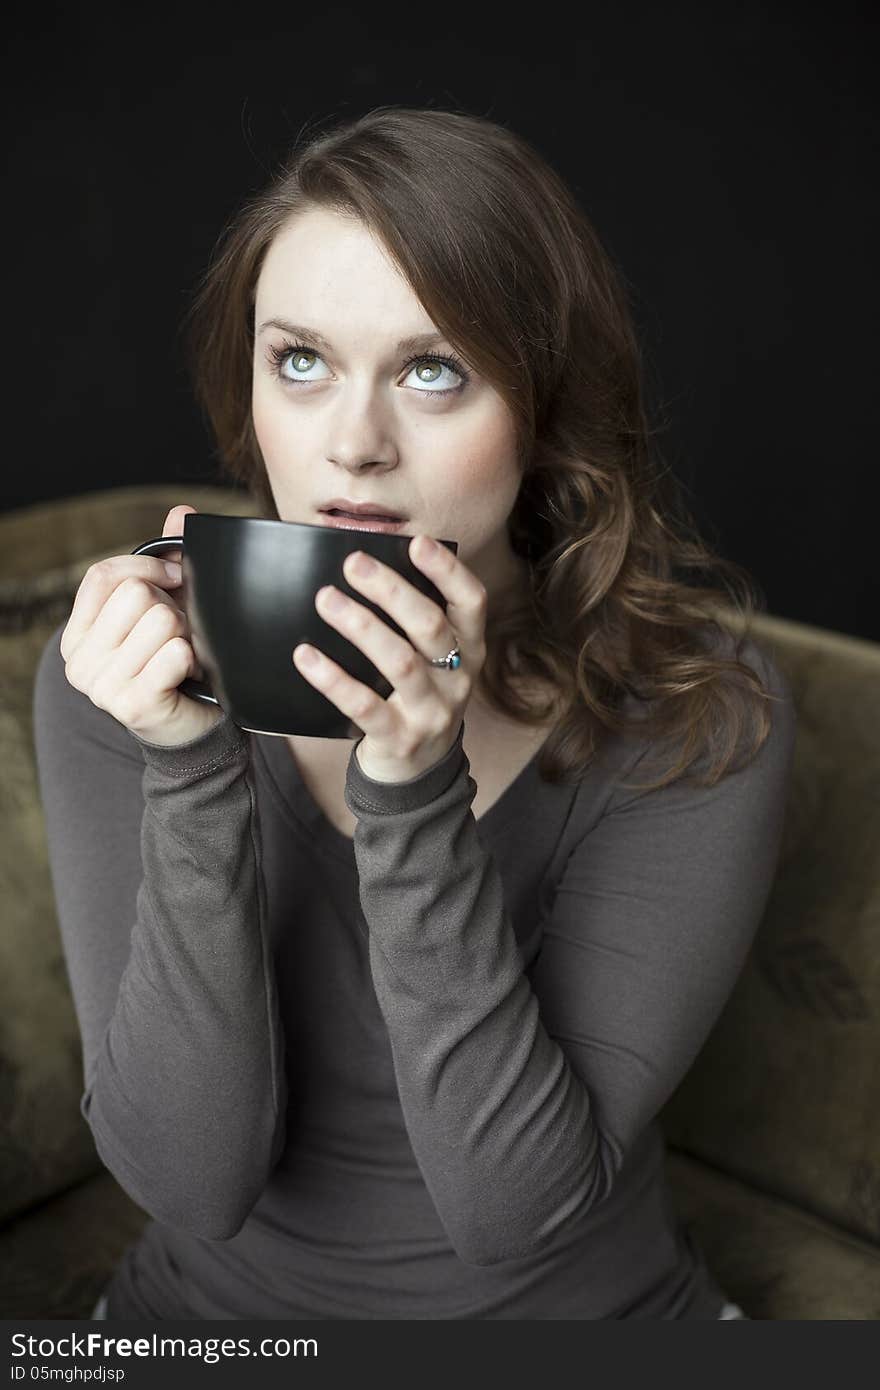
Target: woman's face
{"type": "Point", "coordinates": [349, 414]}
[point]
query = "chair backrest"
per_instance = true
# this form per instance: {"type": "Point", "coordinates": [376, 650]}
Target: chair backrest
{"type": "Point", "coordinates": [786, 1091]}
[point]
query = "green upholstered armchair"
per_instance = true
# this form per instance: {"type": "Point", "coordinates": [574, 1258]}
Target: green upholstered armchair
{"type": "Point", "coordinates": [774, 1135]}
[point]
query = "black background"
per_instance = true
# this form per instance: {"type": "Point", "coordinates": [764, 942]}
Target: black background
{"type": "Point", "coordinates": [726, 156]}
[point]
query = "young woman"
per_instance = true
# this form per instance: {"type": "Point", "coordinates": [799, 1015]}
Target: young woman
{"type": "Point", "coordinates": [382, 1029]}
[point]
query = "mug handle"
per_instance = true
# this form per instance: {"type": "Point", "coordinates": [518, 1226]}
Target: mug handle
{"type": "Point", "coordinates": [196, 690]}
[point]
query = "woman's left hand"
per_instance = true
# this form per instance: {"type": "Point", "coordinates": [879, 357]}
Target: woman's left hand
{"type": "Point", "coordinates": [419, 721]}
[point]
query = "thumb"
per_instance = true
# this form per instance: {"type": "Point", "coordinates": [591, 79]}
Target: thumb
{"type": "Point", "coordinates": [174, 520]}
{"type": "Point", "coordinates": [174, 526]}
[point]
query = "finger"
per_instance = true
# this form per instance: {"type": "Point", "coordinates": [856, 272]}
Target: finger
{"type": "Point", "coordinates": [394, 656]}
{"type": "Point", "coordinates": [96, 587]}
{"type": "Point", "coordinates": [129, 603]}
{"type": "Point", "coordinates": [165, 670]}
{"type": "Point", "coordinates": [466, 597]}
{"type": "Point", "coordinates": [173, 526]}
{"type": "Point", "coordinates": [143, 646]}
{"type": "Point", "coordinates": [351, 697]}
{"type": "Point", "coordinates": [426, 625]}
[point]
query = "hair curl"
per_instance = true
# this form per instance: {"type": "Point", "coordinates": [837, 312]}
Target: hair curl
{"type": "Point", "coordinates": [620, 631]}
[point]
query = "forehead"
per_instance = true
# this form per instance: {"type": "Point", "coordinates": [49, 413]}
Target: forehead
{"type": "Point", "coordinates": [324, 263]}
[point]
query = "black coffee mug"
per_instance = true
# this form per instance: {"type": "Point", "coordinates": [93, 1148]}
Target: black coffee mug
{"type": "Point", "coordinates": [248, 590]}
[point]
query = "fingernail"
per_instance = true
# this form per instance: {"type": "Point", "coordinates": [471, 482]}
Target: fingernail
{"type": "Point", "coordinates": [361, 564]}
{"type": "Point", "coordinates": [173, 570]}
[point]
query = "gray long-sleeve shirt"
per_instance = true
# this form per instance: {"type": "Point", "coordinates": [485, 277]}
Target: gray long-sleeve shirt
{"type": "Point", "coordinates": [412, 1075]}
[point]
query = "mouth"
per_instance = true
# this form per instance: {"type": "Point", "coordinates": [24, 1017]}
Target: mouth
{"type": "Point", "coordinates": [354, 521]}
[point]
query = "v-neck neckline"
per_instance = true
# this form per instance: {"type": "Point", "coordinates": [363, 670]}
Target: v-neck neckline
{"type": "Point", "coordinates": [299, 802]}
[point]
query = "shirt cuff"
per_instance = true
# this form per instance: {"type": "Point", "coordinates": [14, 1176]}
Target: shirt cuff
{"type": "Point", "coordinates": [363, 793]}
{"type": "Point", "coordinates": [215, 747]}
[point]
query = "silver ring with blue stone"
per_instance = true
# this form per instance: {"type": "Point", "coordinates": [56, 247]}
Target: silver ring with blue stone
{"type": "Point", "coordinates": [450, 662]}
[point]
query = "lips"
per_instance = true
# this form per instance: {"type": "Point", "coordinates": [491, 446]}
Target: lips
{"type": "Point", "coordinates": [369, 521]}
{"type": "Point", "coordinates": [344, 506]}
{"type": "Point", "coordinates": [344, 514]}
{"type": "Point", "coordinates": [360, 516]}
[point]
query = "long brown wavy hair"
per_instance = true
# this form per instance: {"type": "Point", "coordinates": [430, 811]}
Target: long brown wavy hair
{"type": "Point", "coordinates": [619, 630]}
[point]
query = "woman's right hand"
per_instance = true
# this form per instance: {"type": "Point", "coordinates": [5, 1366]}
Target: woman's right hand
{"type": "Point", "coordinates": [126, 645]}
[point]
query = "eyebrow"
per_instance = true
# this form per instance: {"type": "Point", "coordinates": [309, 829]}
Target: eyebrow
{"type": "Point", "coordinates": [298, 330]}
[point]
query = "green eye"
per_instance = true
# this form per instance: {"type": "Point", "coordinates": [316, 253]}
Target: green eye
{"type": "Point", "coordinates": [301, 358]}
{"type": "Point", "coordinates": [430, 369]}
{"type": "Point", "coordinates": [300, 361]}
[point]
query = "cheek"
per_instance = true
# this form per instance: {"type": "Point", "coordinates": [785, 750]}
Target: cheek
{"type": "Point", "coordinates": [260, 418]}
{"type": "Point", "coordinates": [269, 424]}
{"type": "Point", "coordinates": [484, 463]}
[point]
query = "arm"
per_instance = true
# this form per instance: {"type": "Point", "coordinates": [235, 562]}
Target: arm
{"type": "Point", "coordinates": [156, 866]}
{"type": "Point", "coordinates": [523, 1092]}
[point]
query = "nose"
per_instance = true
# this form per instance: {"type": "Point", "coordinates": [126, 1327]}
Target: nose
{"type": "Point", "coordinates": [360, 433]}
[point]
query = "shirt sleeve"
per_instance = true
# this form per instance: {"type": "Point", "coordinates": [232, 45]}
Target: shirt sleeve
{"type": "Point", "coordinates": [155, 858]}
{"type": "Point", "coordinates": [524, 1088]}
